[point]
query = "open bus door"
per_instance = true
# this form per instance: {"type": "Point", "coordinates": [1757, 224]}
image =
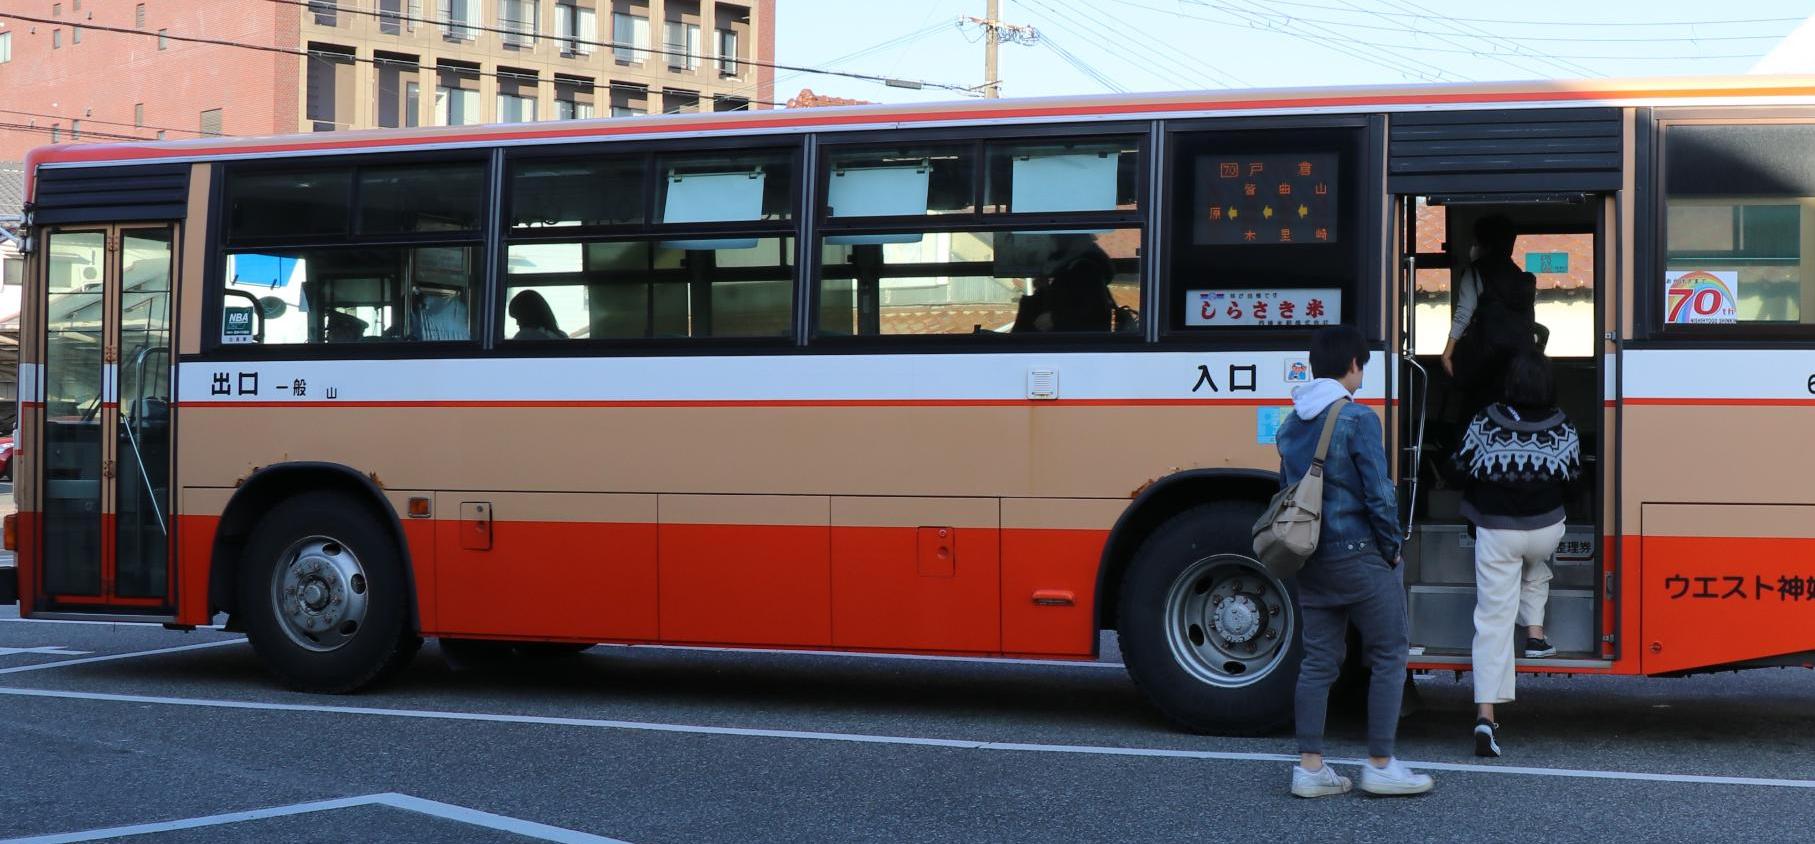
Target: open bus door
{"type": "Point", "coordinates": [1563, 240]}
{"type": "Point", "coordinates": [98, 422]}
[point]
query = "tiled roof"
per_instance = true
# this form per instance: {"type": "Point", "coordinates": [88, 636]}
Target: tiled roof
{"type": "Point", "coordinates": [12, 188]}
{"type": "Point", "coordinates": [807, 99]}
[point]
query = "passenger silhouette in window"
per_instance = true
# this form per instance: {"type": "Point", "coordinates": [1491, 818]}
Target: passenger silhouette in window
{"type": "Point", "coordinates": [535, 319]}
{"type": "Point", "coordinates": [1073, 297]}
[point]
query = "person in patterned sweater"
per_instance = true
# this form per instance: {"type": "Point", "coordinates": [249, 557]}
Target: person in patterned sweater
{"type": "Point", "coordinates": [1520, 457]}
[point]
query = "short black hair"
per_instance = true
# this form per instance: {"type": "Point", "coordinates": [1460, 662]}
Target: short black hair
{"type": "Point", "coordinates": [1334, 347]}
{"type": "Point", "coordinates": [1529, 383]}
{"type": "Point", "coordinates": [1495, 234]}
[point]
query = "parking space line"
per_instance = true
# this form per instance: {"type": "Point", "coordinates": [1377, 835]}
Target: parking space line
{"type": "Point", "coordinates": [445, 811]}
{"type": "Point", "coordinates": [916, 741]}
{"type": "Point", "coordinates": [41, 666]}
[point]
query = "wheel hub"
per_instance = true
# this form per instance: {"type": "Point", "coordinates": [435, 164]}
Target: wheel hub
{"type": "Point", "coordinates": [319, 588]}
{"type": "Point", "coordinates": [1236, 618]}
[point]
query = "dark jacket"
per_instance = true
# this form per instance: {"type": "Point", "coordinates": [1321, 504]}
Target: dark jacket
{"type": "Point", "coordinates": [1360, 506]}
{"type": "Point", "coordinates": [1519, 467]}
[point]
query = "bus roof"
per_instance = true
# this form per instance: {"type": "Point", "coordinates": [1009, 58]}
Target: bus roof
{"type": "Point", "coordinates": [1707, 90]}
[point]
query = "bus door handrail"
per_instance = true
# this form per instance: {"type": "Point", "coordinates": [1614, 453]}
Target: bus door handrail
{"type": "Point", "coordinates": [1408, 352]}
{"type": "Point", "coordinates": [126, 422]}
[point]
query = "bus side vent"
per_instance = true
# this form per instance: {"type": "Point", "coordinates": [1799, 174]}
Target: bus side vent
{"type": "Point", "coordinates": [1534, 150]}
{"type": "Point", "coordinates": [98, 194]}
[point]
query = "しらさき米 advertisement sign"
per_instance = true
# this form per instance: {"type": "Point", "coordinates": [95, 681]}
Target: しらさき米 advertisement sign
{"type": "Point", "coordinates": [1701, 297]}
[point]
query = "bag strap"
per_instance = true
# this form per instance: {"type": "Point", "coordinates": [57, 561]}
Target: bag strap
{"type": "Point", "coordinates": [1329, 430]}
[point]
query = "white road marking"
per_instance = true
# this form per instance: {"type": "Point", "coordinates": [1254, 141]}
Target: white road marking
{"type": "Point", "coordinates": [111, 657]}
{"type": "Point", "coordinates": [446, 811]}
{"type": "Point", "coordinates": [916, 741]}
{"type": "Point", "coordinates": [57, 650]}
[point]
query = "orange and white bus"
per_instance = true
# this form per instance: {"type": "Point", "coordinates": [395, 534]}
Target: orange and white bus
{"type": "Point", "coordinates": [982, 378]}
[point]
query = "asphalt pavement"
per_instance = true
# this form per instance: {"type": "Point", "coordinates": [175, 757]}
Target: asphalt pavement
{"type": "Point", "coordinates": [128, 732]}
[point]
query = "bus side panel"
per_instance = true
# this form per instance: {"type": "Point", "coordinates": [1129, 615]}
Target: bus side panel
{"type": "Point", "coordinates": [1051, 549]}
{"type": "Point", "coordinates": [917, 574]}
{"type": "Point", "coordinates": [195, 552]}
{"type": "Point", "coordinates": [746, 569]}
{"type": "Point", "coordinates": [1718, 589]}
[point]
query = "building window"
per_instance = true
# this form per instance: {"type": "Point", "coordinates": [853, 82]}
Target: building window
{"type": "Point", "coordinates": [138, 16]}
{"type": "Point", "coordinates": [75, 35]}
{"type": "Point", "coordinates": [6, 47]}
{"type": "Point", "coordinates": [458, 18]}
{"type": "Point", "coordinates": [518, 19]}
{"type": "Point", "coordinates": [630, 37]}
{"type": "Point", "coordinates": [390, 16]}
{"type": "Point", "coordinates": [56, 10]}
{"type": "Point", "coordinates": [576, 28]}
{"type": "Point", "coordinates": [573, 98]}
{"type": "Point", "coordinates": [683, 45]}
{"type": "Point", "coordinates": [399, 90]}
{"type": "Point", "coordinates": [160, 134]}
{"type": "Point", "coordinates": [75, 129]}
{"type": "Point", "coordinates": [325, 11]}
{"type": "Point", "coordinates": [56, 133]}
{"type": "Point", "coordinates": [138, 114]}
{"type": "Point", "coordinates": [211, 122]}
{"type": "Point", "coordinates": [680, 102]}
{"type": "Point", "coordinates": [457, 95]}
{"type": "Point", "coordinates": [629, 100]}
{"type": "Point", "coordinates": [163, 39]}
{"type": "Point", "coordinates": [727, 53]}
{"type": "Point", "coordinates": [724, 102]}
{"type": "Point", "coordinates": [56, 38]}
{"type": "Point", "coordinates": [516, 108]}
{"type": "Point", "coordinates": [329, 94]}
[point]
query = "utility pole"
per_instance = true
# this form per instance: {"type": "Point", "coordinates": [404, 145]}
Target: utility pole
{"type": "Point", "coordinates": [992, 37]}
{"type": "Point", "coordinates": [995, 32]}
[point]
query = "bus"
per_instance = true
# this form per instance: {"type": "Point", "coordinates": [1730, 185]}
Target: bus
{"type": "Point", "coordinates": [985, 378]}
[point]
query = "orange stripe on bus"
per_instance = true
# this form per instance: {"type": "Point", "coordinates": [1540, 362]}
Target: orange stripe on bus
{"type": "Point", "coordinates": [773, 403]}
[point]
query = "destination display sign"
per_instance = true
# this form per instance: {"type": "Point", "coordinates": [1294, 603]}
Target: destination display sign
{"type": "Point", "coordinates": [1265, 199]}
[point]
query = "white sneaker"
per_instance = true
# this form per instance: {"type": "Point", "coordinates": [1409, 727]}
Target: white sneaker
{"type": "Point", "coordinates": [1320, 783]}
{"type": "Point", "coordinates": [1394, 779]}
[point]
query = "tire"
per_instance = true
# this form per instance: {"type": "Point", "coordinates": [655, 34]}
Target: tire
{"type": "Point", "coordinates": [325, 597]}
{"type": "Point", "coordinates": [1209, 637]}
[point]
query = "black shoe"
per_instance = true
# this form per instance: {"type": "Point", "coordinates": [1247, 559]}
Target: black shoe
{"type": "Point", "coordinates": [1486, 733]}
{"type": "Point", "coordinates": [1538, 648]}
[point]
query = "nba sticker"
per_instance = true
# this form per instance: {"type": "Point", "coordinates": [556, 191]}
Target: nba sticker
{"type": "Point", "coordinates": [1701, 296]}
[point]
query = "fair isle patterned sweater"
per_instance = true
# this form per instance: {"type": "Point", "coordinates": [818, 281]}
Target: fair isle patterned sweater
{"type": "Point", "coordinates": [1519, 468]}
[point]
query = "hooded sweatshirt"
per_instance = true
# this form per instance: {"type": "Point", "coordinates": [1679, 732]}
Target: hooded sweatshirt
{"type": "Point", "coordinates": [1360, 506]}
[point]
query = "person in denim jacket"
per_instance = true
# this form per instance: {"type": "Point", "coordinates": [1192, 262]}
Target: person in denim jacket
{"type": "Point", "coordinates": [1353, 576]}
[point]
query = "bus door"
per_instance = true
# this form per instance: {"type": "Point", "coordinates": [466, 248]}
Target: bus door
{"type": "Point", "coordinates": [102, 458]}
{"type": "Point", "coordinates": [1562, 240]}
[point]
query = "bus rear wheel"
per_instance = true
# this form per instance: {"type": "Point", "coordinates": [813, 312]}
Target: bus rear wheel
{"type": "Point", "coordinates": [1208, 635]}
{"type": "Point", "coordinates": [324, 594]}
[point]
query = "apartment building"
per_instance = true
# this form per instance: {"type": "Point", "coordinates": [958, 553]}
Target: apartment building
{"type": "Point", "coordinates": [101, 70]}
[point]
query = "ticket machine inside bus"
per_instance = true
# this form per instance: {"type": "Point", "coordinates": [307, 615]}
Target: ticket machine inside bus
{"type": "Point", "coordinates": [1560, 242]}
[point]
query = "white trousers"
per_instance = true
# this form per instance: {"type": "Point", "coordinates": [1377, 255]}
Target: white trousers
{"type": "Point", "coordinates": [1512, 575]}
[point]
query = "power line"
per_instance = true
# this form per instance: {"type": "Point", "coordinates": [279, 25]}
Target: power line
{"type": "Point", "coordinates": [1131, 43]}
{"type": "Point", "coordinates": [1467, 28]}
{"type": "Point", "coordinates": [1335, 41]}
{"type": "Point", "coordinates": [894, 43]}
{"type": "Point", "coordinates": [74, 137]}
{"type": "Point", "coordinates": [1509, 62]}
{"type": "Point", "coordinates": [107, 122]}
{"type": "Point", "coordinates": [613, 45]}
{"type": "Point", "coordinates": [1083, 66]}
{"type": "Point", "coordinates": [1572, 24]}
{"type": "Point", "coordinates": [1503, 36]}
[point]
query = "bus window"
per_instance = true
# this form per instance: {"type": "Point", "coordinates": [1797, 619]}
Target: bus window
{"type": "Point", "coordinates": [577, 192]}
{"type": "Point", "coordinates": [1737, 223]}
{"type": "Point", "coordinates": [1046, 176]}
{"type": "Point", "coordinates": [980, 282]}
{"type": "Point", "coordinates": [1265, 229]}
{"type": "Point", "coordinates": [287, 205]}
{"type": "Point", "coordinates": [318, 295]}
{"type": "Point", "coordinates": [901, 181]}
{"type": "Point", "coordinates": [725, 187]}
{"type": "Point", "coordinates": [647, 289]}
{"type": "Point", "coordinates": [421, 198]}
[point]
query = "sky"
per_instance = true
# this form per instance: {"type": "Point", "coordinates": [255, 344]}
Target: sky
{"type": "Point", "coordinates": [1099, 46]}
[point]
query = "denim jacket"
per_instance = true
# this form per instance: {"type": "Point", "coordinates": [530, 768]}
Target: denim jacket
{"type": "Point", "coordinates": [1360, 504]}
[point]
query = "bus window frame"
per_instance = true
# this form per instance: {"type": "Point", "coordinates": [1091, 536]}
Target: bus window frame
{"type": "Point", "coordinates": [980, 139]}
{"type": "Point", "coordinates": [651, 151]}
{"type": "Point", "coordinates": [1375, 277]}
{"type": "Point", "coordinates": [219, 246]}
{"type": "Point", "coordinates": [1654, 258]}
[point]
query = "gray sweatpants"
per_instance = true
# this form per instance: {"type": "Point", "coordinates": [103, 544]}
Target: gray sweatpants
{"type": "Point", "coordinates": [1367, 592]}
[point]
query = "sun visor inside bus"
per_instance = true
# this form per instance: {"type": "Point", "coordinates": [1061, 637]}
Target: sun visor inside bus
{"type": "Point", "coordinates": [95, 194]}
{"type": "Point", "coordinates": [877, 192]}
{"type": "Point", "coordinates": [713, 198]}
{"type": "Point", "coordinates": [1056, 183]}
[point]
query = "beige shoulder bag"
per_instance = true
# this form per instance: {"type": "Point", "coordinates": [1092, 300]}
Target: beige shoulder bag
{"type": "Point", "coordinates": [1286, 534]}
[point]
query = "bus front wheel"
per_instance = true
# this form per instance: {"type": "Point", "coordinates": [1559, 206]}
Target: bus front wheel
{"type": "Point", "coordinates": [1208, 635]}
{"type": "Point", "coordinates": [324, 594]}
